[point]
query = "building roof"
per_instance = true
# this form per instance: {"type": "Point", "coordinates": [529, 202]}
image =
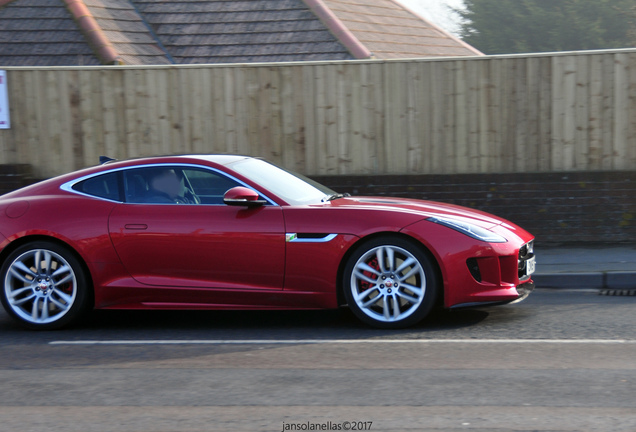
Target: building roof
{"type": "Point", "coordinates": [126, 31]}
{"type": "Point", "coordinates": [41, 33]}
{"type": "Point", "coordinates": [90, 32]}
{"type": "Point", "coordinates": [390, 30]}
{"type": "Point", "coordinates": [240, 31]}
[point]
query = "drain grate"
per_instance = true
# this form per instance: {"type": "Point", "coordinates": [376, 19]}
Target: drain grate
{"type": "Point", "coordinates": [618, 292]}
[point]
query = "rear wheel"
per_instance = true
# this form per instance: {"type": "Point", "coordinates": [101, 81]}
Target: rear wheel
{"type": "Point", "coordinates": [44, 286]}
{"type": "Point", "coordinates": [389, 282]}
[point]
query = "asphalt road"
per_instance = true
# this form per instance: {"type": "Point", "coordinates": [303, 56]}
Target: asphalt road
{"type": "Point", "coordinates": [560, 361]}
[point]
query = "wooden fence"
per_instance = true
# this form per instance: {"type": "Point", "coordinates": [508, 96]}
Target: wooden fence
{"type": "Point", "coordinates": [533, 113]}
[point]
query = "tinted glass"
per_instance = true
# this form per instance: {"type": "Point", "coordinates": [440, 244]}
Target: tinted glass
{"type": "Point", "coordinates": [103, 186]}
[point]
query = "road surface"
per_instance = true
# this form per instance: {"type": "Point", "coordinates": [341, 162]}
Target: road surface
{"type": "Point", "coordinates": [563, 360]}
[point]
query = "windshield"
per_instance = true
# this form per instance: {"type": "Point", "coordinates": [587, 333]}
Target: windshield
{"type": "Point", "coordinates": [294, 188]}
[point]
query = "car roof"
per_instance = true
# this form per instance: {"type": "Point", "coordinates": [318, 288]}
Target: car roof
{"type": "Point", "coordinates": [220, 159]}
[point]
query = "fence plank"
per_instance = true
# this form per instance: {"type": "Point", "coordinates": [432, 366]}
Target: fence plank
{"type": "Point", "coordinates": [581, 146]}
{"type": "Point", "coordinates": [569, 112]}
{"type": "Point", "coordinates": [413, 138]}
{"type": "Point", "coordinates": [485, 128]}
{"type": "Point", "coordinates": [288, 108]}
{"type": "Point", "coordinates": [308, 97]}
{"type": "Point", "coordinates": [275, 116]}
{"type": "Point", "coordinates": [396, 109]}
{"type": "Point", "coordinates": [241, 113]}
{"type": "Point", "coordinates": [74, 119]}
{"type": "Point", "coordinates": [631, 137]}
{"type": "Point", "coordinates": [558, 113]}
{"type": "Point", "coordinates": [377, 118]}
{"type": "Point", "coordinates": [52, 150]}
{"type": "Point", "coordinates": [344, 107]}
{"type": "Point", "coordinates": [520, 133]}
{"type": "Point", "coordinates": [161, 97]}
{"type": "Point", "coordinates": [531, 141]}
{"type": "Point", "coordinates": [495, 112]}
{"type": "Point", "coordinates": [133, 111]}
{"type": "Point", "coordinates": [546, 112]}
{"type": "Point", "coordinates": [16, 147]}
{"type": "Point", "coordinates": [200, 111]}
{"type": "Point", "coordinates": [607, 112]}
{"type": "Point", "coordinates": [620, 153]}
{"type": "Point", "coordinates": [504, 160]}
{"type": "Point", "coordinates": [252, 88]}
{"type": "Point", "coordinates": [329, 148]}
{"type": "Point", "coordinates": [461, 117]}
{"type": "Point", "coordinates": [438, 108]}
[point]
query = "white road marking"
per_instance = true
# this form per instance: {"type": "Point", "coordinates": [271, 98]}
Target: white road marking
{"type": "Point", "coordinates": [338, 341]}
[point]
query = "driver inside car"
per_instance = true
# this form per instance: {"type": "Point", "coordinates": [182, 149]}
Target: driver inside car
{"type": "Point", "coordinates": [165, 186]}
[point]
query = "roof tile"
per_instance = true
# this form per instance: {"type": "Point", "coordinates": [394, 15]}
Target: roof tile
{"type": "Point", "coordinates": [68, 60]}
{"type": "Point", "coordinates": [13, 13]}
{"type": "Point", "coordinates": [238, 28]}
{"type": "Point", "coordinates": [229, 17]}
{"type": "Point", "coordinates": [122, 26]}
{"type": "Point", "coordinates": [269, 58]}
{"type": "Point", "coordinates": [130, 38]}
{"type": "Point", "coordinates": [207, 6]}
{"type": "Point", "coordinates": [252, 38]}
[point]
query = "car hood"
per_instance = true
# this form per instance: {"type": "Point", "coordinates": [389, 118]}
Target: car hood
{"type": "Point", "coordinates": [425, 209]}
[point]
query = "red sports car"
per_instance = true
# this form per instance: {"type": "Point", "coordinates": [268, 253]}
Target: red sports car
{"type": "Point", "coordinates": [235, 232]}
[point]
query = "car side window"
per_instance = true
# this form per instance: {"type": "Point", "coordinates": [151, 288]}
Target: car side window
{"type": "Point", "coordinates": [175, 185]}
{"type": "Point", "coordinates": [155, 185]}
{"type": "Point", "coordinates": [209, 186]}
{"type": "Point", "coordinates": [101, 186]}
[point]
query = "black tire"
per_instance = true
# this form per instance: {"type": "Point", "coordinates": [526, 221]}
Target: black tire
{"type": "Point", "coordinates": [390, 293]}
{"type": "Point", "coordinates": [44, 286]}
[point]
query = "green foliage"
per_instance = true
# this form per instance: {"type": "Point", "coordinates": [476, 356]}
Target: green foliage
{"type": "Point", "coordinates": [516, 26]}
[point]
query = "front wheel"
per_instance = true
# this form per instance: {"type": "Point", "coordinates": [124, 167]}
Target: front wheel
{"type": "Point", "coordinates": [389, 282]}
{"type": "Point", "coordinates": [44, 286]}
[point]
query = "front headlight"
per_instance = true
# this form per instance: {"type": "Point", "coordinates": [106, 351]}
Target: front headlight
{"type": "Point", "coordinates": [470, 230]}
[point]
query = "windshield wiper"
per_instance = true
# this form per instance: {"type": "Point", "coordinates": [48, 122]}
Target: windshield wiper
{"type": "Point", "coordinates": [335, 196]}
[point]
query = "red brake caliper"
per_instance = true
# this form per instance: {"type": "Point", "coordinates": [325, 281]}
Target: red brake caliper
{"type": "Point", "coordinates": [364, 285]}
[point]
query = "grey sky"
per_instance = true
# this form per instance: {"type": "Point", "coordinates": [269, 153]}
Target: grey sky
{"type": "Point", "coordinates": [436, 11]}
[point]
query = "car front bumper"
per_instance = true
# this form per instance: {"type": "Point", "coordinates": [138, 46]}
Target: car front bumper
{"type": "Point", "coordinates": [476, 272]}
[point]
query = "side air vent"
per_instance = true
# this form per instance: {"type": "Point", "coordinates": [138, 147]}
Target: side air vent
{"type": "Point", "coordinates": [473, 268]}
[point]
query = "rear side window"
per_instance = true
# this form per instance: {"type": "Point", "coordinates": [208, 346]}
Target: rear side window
{"type": "Point", "coordinates": [102, 186]}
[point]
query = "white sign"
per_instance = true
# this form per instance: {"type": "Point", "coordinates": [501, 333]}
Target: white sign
{"type": "Point", "coordinates": [4, 101]}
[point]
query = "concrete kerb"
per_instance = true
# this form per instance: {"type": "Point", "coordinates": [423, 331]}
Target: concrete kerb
{"type": "Point", "coordinates": [601, 267]}
{"type": "Point", "coordinates": [592, 280]}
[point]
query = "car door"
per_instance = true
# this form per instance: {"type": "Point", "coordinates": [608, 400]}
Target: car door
{"type": "Point", "coordinates": [203, 243]}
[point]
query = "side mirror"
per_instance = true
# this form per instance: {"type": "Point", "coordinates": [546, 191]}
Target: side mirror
{"type": "Point", "coordinates": [242, 196]}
